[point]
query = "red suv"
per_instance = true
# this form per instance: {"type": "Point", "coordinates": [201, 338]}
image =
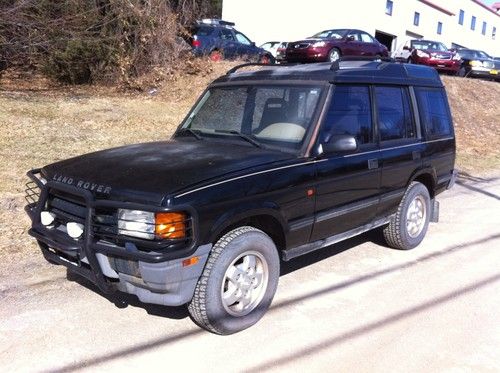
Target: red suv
{"type": "Point", "coordinates": [434, 54]}
{"type": "Point", "coordinates": [330, 45]}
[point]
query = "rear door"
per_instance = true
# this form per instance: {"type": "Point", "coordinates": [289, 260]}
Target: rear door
{"type": "Point", "coordinates": [228, 44]}
{"type": "Point", "coordinates": [368, 45]}
{"type": "Point", "coordinates": [347, 185]}
{"type": "Point", "coordinates": [400, 144]}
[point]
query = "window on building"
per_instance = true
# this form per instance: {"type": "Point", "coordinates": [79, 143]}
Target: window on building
{"type": "Point", "coordinates": [493, 33]}
{"type": "Point", "coordinates": [461, 17]}
{"type": "Point", "coordinates": [473, 23]}
{"type": "Point", "coordinates": [434, 112]}
{"type": "Point", "coordinates": [483, 31]}
{"type": "Point", "coordinates": [416, 18]}
{"type": "Point", "coordinates": [349, 114]}
{"type": "Point", "coordinates": [388, 7]}
{"type": "Point", "coordinates": [440, 28]}
{"type": "Point", "coordinates": [395, 119]}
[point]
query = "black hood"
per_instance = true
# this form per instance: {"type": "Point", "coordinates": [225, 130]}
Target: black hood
{"type": "Point", "coordinates": [150, 171]}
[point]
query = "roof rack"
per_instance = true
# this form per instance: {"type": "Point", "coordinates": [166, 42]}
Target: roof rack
{"type": "Point", "coordinates": [215, 22]}
{"type": "Point", "coordinates": [336, 64]}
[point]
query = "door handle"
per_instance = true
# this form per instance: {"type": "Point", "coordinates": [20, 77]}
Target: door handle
{"type": "Point", "coordinates": [372, 164]}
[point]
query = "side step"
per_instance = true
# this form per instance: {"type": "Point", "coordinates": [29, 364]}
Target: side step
{"type": "Point", "coordinates": [316, 245]}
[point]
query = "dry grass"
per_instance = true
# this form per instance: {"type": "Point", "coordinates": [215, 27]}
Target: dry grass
{"type": "Point", "coordinates": [41, 123]}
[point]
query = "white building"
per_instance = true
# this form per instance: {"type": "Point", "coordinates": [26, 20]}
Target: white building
{"type": "Point", "coordinates": [456, 23]}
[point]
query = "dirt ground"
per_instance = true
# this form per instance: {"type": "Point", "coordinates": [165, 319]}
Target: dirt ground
{"type": "Point", "coordinates": [369, 307]}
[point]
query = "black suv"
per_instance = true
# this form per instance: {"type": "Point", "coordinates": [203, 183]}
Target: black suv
{"type": "Point", "coordinates": [271, 163]}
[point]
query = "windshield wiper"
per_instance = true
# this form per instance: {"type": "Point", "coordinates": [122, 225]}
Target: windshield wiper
{"type": "Point", "coordinates": [243, 136]}
{"type": "Point", "coordinates": [195, 133]}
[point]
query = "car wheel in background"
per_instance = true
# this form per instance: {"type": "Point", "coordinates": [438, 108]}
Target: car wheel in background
{"type": "Point", "coordinates": [334, 55]}
{"type": "Point", "coordinates": [267, 59]}
{"type": "Point", "coordinates": [215, 56]}
{"type": "Point", "coordinates": [462, 72]}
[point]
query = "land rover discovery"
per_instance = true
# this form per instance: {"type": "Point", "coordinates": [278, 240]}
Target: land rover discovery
{"type": "Point", "coordinates": [268, 164]}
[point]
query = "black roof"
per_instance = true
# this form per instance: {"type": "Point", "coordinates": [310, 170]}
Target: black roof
{"type": "Point", "coordinates": [346, 72]}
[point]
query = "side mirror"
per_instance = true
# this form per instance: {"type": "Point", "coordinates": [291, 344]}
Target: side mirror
{"type": "Point", "coordinates": [350, 38]}
{"type": "Point", "coordinates": [253, 44]}
{"type": "Point", "coordinates": [406, 48]}
{"type": "Point", "coordinates": [341, 144]}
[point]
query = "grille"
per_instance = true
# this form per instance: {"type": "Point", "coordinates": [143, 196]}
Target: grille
{"type": "Point", "coordinates": [31, 193]}
{"type": "Point", "coordinates": [67, 207]}
{"type": "Point", "coordinates": [442, 56]}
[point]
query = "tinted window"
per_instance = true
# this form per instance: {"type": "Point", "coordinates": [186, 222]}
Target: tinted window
{"type": "Point", "coordinates": [349, 114]}
{"type": "Point", "coordinates": [434, 112]}
{"type": "Point", "coordinates": [394, 115]}
{"type": "Point", "coordinates": [226, 34]}
{"type": "Point", "coordinates": [203, 31]}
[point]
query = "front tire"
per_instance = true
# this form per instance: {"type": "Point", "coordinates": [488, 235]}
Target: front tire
{"type": "Point", "coordinates": [334, 55]}
{"type": "Point", "coordinates": [238, 283]}
{"type": "Point", "coordinates": [408, 226]}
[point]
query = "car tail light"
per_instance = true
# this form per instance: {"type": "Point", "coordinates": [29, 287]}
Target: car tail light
{"type": "Point", "coordinates": [196, 43]}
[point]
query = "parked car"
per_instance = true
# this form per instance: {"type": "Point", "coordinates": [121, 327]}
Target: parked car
{"type": "Point", "coordinates": [272, 163]}
{"type": "Point", "coordinates": [476, 63]}
{"type": "Point", "coordinates": [219, 39]}
{"type": "Point", "coordinates": [271, 47]}
{"type": "Point", "coordinates": [281, 52]}
{"type": "Point", "coordinates": [432, 53]}
{"type": "Point", "coordinates": [330, 45]}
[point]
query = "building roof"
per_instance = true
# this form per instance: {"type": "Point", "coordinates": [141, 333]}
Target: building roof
{"type": "Point", "coordinates": [368, 72]}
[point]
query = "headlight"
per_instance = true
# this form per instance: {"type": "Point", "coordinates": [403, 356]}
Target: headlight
{"type": "Point", "coordinates": [148, 225]}
{"type": "Point", "coordinates": [319, 44]}
{"type": "Point", "coordinates": [476, 63]}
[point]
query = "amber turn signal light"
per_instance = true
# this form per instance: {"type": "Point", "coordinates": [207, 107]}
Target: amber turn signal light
{"type": "Point", "coordinates": [170, 224]}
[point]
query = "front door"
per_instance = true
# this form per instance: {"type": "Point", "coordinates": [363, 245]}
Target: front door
{"type": "Point", "coordinates": [347, 186]}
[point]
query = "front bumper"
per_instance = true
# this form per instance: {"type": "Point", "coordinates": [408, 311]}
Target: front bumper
{"type": "Point", "coordinates": [159, 277]}
{"type": "Point", "coordinates": [438, 64]}
{"type": "Point", "coordinates": [483, 72]}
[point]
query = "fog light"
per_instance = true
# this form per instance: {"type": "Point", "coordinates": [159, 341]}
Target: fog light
{"type": "Point", "coordinates": [47, 217]}
{"type": "Point", "coordinates": [75, 230]}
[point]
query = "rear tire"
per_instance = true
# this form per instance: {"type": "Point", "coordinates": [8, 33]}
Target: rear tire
{"type": "Point", "coordinates": [408, 226]}
{"type": "Point", "coordinates": [238, 283]}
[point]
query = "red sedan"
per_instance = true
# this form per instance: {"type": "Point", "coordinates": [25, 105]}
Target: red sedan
{"type": "Point", "coordinates": [330, 45]}
{"type": "Point", "coordinates": [434, 54]}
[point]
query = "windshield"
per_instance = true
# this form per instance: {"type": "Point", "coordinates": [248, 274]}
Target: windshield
{"type": "Point", "coordinates": [331, 34]}
{"type": "Point", "coordinates": [269, 115]}
{"type": "Point", "coordinates": [426, 44]}
{"type": "Point", "coordinates": [470, 54]}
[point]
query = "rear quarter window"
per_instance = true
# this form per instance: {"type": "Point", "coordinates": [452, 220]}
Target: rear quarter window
{"type": "Point", "coordinates": [434, 113]}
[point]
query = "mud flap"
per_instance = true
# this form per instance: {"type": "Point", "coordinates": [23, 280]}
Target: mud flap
{"type": "Point", "coordinates": [434, 218]}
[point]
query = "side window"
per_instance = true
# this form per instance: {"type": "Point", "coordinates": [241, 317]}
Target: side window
{"type": "Point", "coordinates": [349, 114]}
{"type": "Point", "coordinates": [365, 38]}
{"type": "Point", "coordinates": [434, 113]}
{"type": "Point", "coordinates": [395, 119]}
{"type": "Point", "coordinates": [242, 38]}
{"type": "Point", "coordinates": [226, 35]}
{"type": "Point", "coordinates": [353, 35]}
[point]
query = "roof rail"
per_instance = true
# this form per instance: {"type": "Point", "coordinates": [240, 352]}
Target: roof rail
{"type": "Point", "coordinates": [335, 64]}
{"type": "Point", "coordinates": [215, 22]}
